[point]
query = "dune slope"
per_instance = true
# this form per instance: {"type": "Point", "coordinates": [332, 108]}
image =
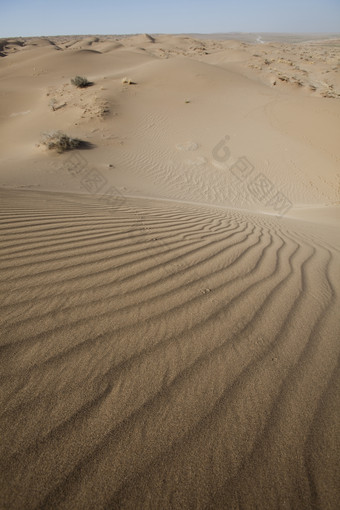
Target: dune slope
{"type": "Point", "coordinates": [169, 291]}
{"type": "Point", "coordinates": [178, 357]}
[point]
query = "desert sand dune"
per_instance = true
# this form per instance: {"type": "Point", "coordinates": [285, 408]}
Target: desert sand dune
{"type": "Point", "coordinates": [177, 356]}
{"type": "Point", "coordinates": [169, 336]}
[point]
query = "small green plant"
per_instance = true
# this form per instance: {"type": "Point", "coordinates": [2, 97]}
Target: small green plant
{"type": "Point", "coordinates": [60, 142]}
{"type": "Point", "coordinates": [80, 82]}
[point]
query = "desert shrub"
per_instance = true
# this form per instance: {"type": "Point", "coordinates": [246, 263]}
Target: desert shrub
{"type": "Point", "coordinates": [128, 81]}
{"type": "Point", "coordinates": [60, 142]}
{"type": "Point", "coordinates": [81, 82]}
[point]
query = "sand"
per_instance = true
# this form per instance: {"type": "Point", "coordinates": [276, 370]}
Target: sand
{"type": "Point", "coordinates": [170, 291]}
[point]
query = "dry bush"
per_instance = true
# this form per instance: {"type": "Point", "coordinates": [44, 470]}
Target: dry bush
{"type": "Point", "coordinates": [59, 141]}
{"type": "Point", "coordinates": [81, 82]}
{"type": "Point", "coordinates": [128, 81]}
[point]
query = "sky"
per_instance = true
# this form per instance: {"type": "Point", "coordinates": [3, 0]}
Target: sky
{"type": "Point", "coordinates": [69, 17]}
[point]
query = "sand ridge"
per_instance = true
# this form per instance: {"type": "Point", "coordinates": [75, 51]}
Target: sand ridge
{"type": "Point", "coordinates": [169, 292]}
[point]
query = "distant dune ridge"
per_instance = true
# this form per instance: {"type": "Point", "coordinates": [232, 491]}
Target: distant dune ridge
{"type": "Point", "coordinates": [170, 288]}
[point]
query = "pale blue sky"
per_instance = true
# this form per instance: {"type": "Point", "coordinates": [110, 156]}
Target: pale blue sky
{"type": "Point", "coordinates": [57, 17]}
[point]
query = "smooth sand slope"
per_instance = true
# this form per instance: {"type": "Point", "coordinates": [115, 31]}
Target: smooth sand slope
{"type": "Point", "coordinates": [170, 296]}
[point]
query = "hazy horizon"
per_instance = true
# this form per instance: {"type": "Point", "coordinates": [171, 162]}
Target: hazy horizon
{"type": "Point", "coordinates": [123, 34]}
{"type": "Point", "coordinates": [39, 18]}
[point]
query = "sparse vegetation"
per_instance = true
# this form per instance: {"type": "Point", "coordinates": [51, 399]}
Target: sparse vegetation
{"type": "Point", "coordinates": [80, 82]}
{"type": "Point", "coordinates": [53, 104]}
{"type": "Point", "coordinates": [128, 81]}
{"type": "Point", "coordinates": [59, 141]}
{"type": "Point", "coordinates": [284, 77]}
